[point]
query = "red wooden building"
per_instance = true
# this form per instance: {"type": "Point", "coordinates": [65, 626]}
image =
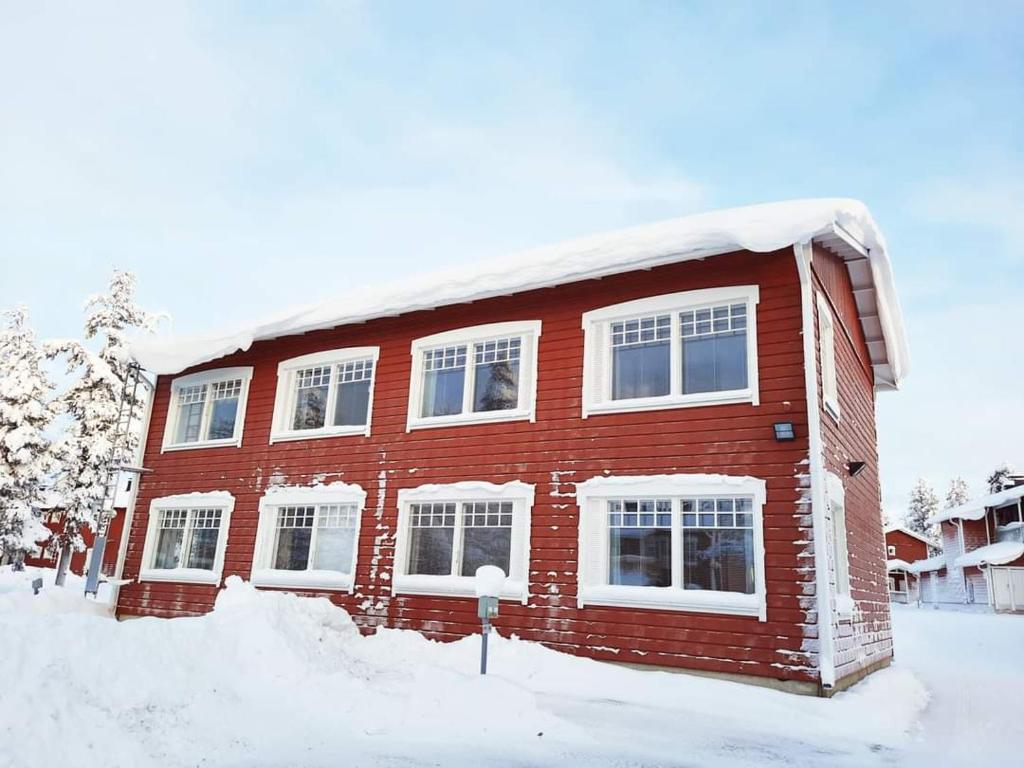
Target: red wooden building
{"type": "Point", "coordinates": [664, 435]}
{"type": "Point", "coordinates": [903, 546]}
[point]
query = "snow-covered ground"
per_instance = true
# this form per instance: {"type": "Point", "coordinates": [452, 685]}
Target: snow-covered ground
{"type": "Point", "coordinates": [270, 680]}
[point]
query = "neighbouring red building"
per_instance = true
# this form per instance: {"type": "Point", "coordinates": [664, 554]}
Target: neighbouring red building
{"type": "Point", "coordinates": [665, 436]}
{"type": "Point", "coordinates": [903, 546]}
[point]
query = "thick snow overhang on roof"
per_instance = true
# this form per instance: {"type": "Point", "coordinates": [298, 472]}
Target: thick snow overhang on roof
{"type": "Point", "coordinates": [912, 534]}
{"type": "Point", "coordinates": [841, 225]}
{"type": "Point", "coordinates": [975, 510]}
{"type": "Point", "coordinates": [936, 563]}
{"type": "Point", "coordinates": [897, 565]}
{"type": "Point", "coordinates": [994, 554]}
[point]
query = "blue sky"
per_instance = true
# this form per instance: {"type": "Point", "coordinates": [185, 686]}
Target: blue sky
{"type": "Point", "coordinates": [245, 157]}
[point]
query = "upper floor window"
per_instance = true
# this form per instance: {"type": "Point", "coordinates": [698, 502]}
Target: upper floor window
{"type": "Point", "coordinates": [483, 373]}
{"type": "Point", "coordinates": [680, 349]}
{"type": "Point", "coordinates": [827, 353]}
{"type": "Point", "coordinates": [688, 542]}
{"type": "Point", "coordinates": [308, 536]}
{"type": "Point", "coordinates": [446, 532]}
{"type": "Point", "coordinates": [324, 394]}
{"type": "Point", "coordinates": [186, 537]}
{"type": "Point", "coordinates": [207, 409]}
{"type": "Point", "coordinates": [891, 549]}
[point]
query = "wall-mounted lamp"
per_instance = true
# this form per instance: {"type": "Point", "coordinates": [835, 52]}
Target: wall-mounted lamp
{"type": "Point", "coordinates": [784, 431]}
{"type": "Point", "coordinates": [855, 467]}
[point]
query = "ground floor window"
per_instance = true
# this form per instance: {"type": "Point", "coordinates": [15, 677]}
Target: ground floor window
{"type": "Point", "coordinates": [186, 537]}
{"type": "Point", "coordinates": [673, 541]}
{"type": "Point", "coordinates": [446, 532]}
{"type": "Point", "coordinates": [308, 536]}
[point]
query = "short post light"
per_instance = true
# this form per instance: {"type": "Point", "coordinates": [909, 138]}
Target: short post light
{"type": "Point", "coordinates": [489, 582]}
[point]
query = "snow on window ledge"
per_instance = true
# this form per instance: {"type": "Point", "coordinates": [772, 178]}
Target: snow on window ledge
{"type": "Point", "coordinates": [309, 579]}
{"type": "Point", "coordinates": [180, 575]}
{"type": "Point", "coordinates": [230, 442]}
{"type": "Point", "coordinates": [452, 586]}
{"type": "Point", "coordinates": [845, 606]}
{"type": "Point", "coordinates": [670, 598]}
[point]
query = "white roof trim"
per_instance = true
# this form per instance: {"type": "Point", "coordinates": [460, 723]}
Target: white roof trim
{"type": "Point", "coordinates": [975, 510]}
{"type": "Point", "coordinates": [913, 534]}
{"type": "Point", "coordinates": [936, 563]}
{"type": "Point", "coordinates": [897, 565]}
{"type": "Point", "coordinates": [843, 225]}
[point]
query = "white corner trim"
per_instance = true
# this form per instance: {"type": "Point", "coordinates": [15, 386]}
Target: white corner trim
{"type": "Point", "coordinates": [283, 397]}
{"type": "Point", "coordinates": [339, 492]}
{"type": "Point", "coordinates": [816, 469]}
{"type": "Point", "coordinates": [597, 361]}
{"type": "Point", "coordinates": [599, 488]}
{"type": "Point", "coordinates": [210, 376]}
{"type": "Point", "coordinates": [452, 585]}
{"type": "Point", "coordinates": [529, 330]}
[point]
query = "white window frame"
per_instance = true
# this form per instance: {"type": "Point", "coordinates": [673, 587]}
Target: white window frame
{"type": "Point", "coordinates": [835, 496]}
{"type": "Point", "coordinates": [528, 330]}
{"type": "Point", "coordinates": [891, 550]}
{"type": "Point", "coordinates": [592, 497]}
{"type": "Point", "coordinates": [284, 400]}
{"type": "Point", "coordinates": [597, 350]}
{"type": "Point", "coordinates": [221, 500]}
{"type": "Point", "coordinates": [206, 379]}
{"type": "Point", "coordinates": [827, 353]}
{"type": "Point", "coordinates": [264, 575]}
{"type": "Point", "coordinates": [517, 582]}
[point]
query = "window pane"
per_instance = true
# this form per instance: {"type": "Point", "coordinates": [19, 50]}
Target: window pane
{"type": "Point", "coordinates": [430, 551]}
{"type": "Point", "coordinates": [496, 385]}
{"type": "Point", "coordinates": [222, 420]}
{"type": "Point", "coordinates": [168, 548]}
{"type": "Point", "coordinates": [190, 414]}
{"type": "Point", "coordinates": [641, 370]}
{"type": "Point", "coordinates": [203, 549]}
{"type": "Point", "coordinates": [721, 559]}
{"type": "Point", "coordinates": [334, 549]}
{"type": "Point", "coordinates": [639, 554]}
{"type": "Point", "coordinates": [444, 375]}
{"type": "Point", "coordinates": [311, 397]}
{"type": "Point", "coordinates": [714, 349]}
{"type": "Point", "coordinates": [353, 403]}
{"type": "Point", "coordinates": [486, 535]}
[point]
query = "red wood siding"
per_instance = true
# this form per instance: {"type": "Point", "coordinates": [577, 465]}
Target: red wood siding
{"type": "Point", "coordinates": [558, 450]}
{"type": "Point", "coordinates": [908, 549]}
{"type": "Point", "coordinates": [868, 637]}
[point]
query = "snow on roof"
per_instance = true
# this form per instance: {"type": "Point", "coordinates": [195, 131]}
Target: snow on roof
{"type": "Point", "coordinates": [975, 510]}
{"type": "Point", "coordinates": [842, 225]}
{"type": "Point", "coordinates": [994, 554]}
{"type": "Point", "coordinates": [936, 563]}
{"type": "Point", "coordinates": [902, 529]}
{"type": "Point", "coordinates": [897, 565]}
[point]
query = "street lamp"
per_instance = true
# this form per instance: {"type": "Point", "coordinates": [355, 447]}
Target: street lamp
{"type": "Point", "coordinates": [489, 581]}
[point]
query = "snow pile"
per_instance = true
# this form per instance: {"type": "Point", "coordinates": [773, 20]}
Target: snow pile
{"type": "Point", "coordinates": [759, 228]}
{"type": "Point", "coordinates": [272, 679]}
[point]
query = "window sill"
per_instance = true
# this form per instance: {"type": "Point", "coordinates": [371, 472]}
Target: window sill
{"type": "Point", "coordinates": [845, 606]}
{"type": "Point", "coordinates": [452, 586]}
{"type": "Point", "coordinates": [832, 408]}
{"type": "Point", "coordinates": [670, 401]}
{"type": "Point", "coordinates": [231, 442]}
{"type": "Point", "coordinates": [484, 417]}
{"type": "Point", "coordinates": [673, 599]}
{"type": "Point", "coordinates": [313, 434]}
{"type": "Point", "coordinates": [271, 577]}
{"type": "Point", "coordinates": [180, 575]}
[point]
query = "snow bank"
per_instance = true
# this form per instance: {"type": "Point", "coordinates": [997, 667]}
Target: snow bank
{"type": "Point", "coordinates": [272, 679]}
{"type": "Point", "coordinates": [759, 228]}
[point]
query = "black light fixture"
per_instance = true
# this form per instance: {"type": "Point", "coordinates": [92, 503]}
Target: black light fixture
{"type": "Point", "coordinates": [855, 467]}
{"type": "Point", "coordinates": [784, 431]}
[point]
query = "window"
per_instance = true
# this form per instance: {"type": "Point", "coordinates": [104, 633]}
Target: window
{"type": "Point", "coordinates": [687, 542]}
{"type": "Point", "coordinates": [308, 537]}
{"type": "Point", "coordinates": [186, 538]}
{"type": "Point", "coordinates": [836, 504]}
{"type": "Point", "coordinates": [680, 349]}
{"type": "Point", "coordinates": [325, 394]}
{"type": "Point", "coordinates": [446, 532]}
{"type": "Point", "coordinates": [891, 550]}
{"type": "Point", "coordinates": [483, 373]}
{"type": "Point", "coordinates": [827, 347]}
{"type": "Point", "coordinates": [207, 409]}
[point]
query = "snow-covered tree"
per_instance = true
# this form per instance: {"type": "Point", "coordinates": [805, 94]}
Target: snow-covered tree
{"type": "Point", "coordinates": [91, 446]}
{"type": "Point", "coordinates": [957, 494]}
{"type": "Point", "coordinates": [1000, 478]}
{"type": "Point", "coordinates": [923, 504]}
{"type": "Point", "coordinates": [25, 460]}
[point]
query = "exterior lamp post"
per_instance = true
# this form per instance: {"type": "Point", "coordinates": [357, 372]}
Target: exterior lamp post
{"type": "Point", "coordinates": [489, 581]}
